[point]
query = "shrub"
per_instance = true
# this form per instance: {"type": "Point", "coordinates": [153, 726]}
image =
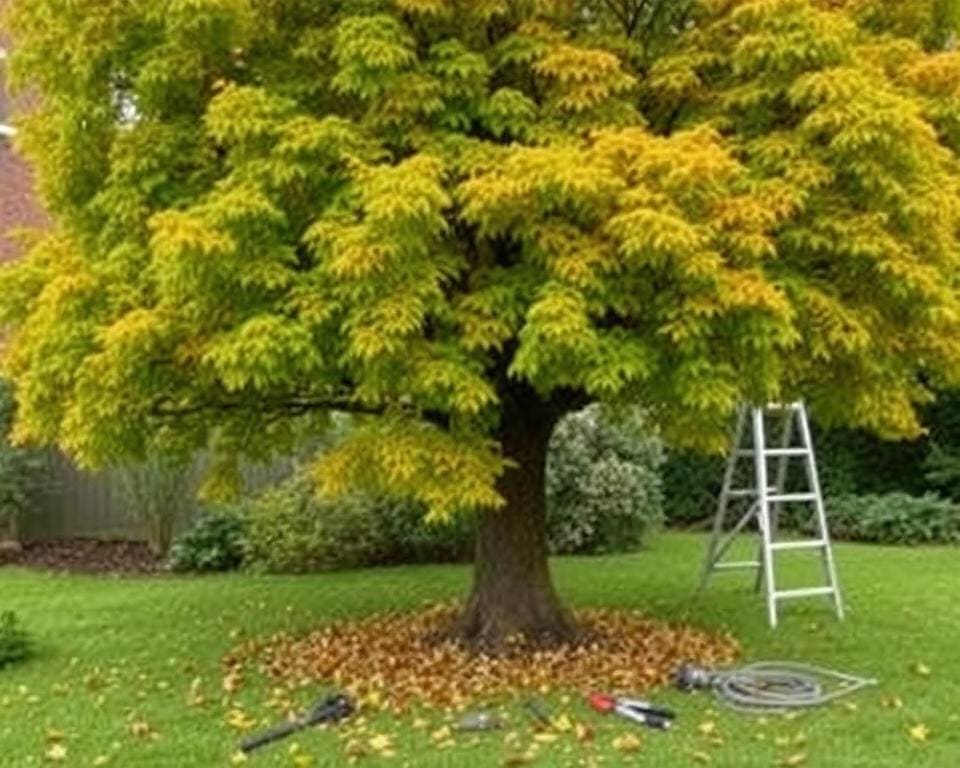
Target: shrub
{"type": "Point", "coordinates": [291, 531]}
{"type": "Point", "coordinates": [20, 470]}
{"type": "Point", "coordinates": [408, 538]}
{"type": "Point", "coordinates": [848, 462]}
{"type": "Point", "coordinates": [893, 518]}
{"type": "Point", "coordinates": [14, 641]}
{"type": "Point", "coordinates": [856, 462]}
{"type": "Point", "coordinates": [943, 471]}
{"type": "Point", "coordinates": [691, 485]}
{"type": "Point", "coordinates": [157, 492]}
{"type": "Point", "coordinates": [603, 483]}
{"type": "Point", "coordinates": [215, 542]}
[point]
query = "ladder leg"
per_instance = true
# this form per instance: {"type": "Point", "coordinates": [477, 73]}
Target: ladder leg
{"type": "Point", "coordinates": [724, 501]}
{"type": "Point", "coordinates": [786, 437]}
{"type": "Point", "coordinates": [829, 567]}
{"type": "Point", "coordinates": [763, 514]}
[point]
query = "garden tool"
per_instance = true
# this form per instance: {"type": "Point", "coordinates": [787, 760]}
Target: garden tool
{"type": "Point", "coordinates": [771, 685]}
{"type": "Point", "coordinates": [331, 709]}
{"type": "Point", "coordinates": [642, 712]}
{"type": "Point", "coordinates": [480, 721]}
{"type": "Point", "coordinates": [539, 712]}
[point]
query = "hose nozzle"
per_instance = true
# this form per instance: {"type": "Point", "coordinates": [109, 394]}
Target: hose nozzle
{"type": "Point", "coordinates": [690, 677]}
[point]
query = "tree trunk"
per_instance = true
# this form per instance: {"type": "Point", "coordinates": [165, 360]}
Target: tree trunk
{"type": "Point", "coordinates": [513, 596]}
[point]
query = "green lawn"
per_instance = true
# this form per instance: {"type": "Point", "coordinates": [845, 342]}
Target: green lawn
{"type": "Point", "coordinates": [116, 651]}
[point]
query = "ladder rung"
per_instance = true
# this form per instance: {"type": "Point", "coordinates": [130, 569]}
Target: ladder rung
{"type": "Point", "coordinates": [737, 565]}
{"type": "Point", "coordinates": [789, 594]}
{"type": "Point", "coordinates": [781, 546]}
{"type": "Point", "coordinates": [783, 406]}
{"type": "Point", "coordinates": [739, 493]}
{"type": "Point", "coordinates": [787, 452]}
{"type": "Point", "coordinates": [792, 497]}
{"type": "Point", "coordinates": [775, 452]}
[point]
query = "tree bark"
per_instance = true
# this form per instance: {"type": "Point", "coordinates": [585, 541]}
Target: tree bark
{"type": "Point", "coordinates": [513, 598]}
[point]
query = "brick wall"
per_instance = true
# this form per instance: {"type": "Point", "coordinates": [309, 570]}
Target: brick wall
{"type": "Point", "coordinates": [18, 205]}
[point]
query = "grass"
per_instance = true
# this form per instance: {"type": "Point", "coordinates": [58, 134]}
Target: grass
{"type": "Point", "coordinates": [112, 652]}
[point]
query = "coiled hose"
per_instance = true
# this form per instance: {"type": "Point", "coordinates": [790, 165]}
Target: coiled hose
{"type": "Point", "coordinates": [772, 685]}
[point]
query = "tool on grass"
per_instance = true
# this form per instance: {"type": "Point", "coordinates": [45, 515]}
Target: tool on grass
{"type": "Point", "coordinates": [538, 710]}
{"type": "Point", "coordinates": [330, 709]}
{"type": "Point", "coordinates": [480, 721]}
{"type": "Point", "coordinates": [642, 712]}
{"type": "Point", "coordinates": [771, 686]}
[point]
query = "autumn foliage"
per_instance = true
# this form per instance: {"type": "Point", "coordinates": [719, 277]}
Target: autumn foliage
{"type": "Point", "coordinates": [467, 217]}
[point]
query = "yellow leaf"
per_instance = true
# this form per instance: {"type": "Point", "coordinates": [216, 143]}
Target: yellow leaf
{"type": "Point", "coordinates": [921, 669]}
{"type": "Point", "coordinates": [700, 757]}
{"type": "Point", "coordinates": [238, 758]}
{"type": "Point", "coordinates": [562, 724]}
{"type": "Point", "coordinates": [240, 720]}
{"type": "Point", "coordinates": [920, 733]}
{"type": "Point", "coordinates": [627, 743]}
{"type": "Point", "coordinates": [707, 727]}
{"type": "Point", "coordinates": [232, 681]}
{"type": "Point", "coordinates": [796, 759]}
{"type": "Point", "coordinates": [140, 728]}
{"type": "Point", "coordinates": [380, 743]}
{"type": "Point", "coordinates": [56, 754]}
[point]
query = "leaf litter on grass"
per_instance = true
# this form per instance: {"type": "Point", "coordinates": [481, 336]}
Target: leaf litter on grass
{"type": "Point", "coordinates": [395, 664]}
{"type": "Point", "coordinates": [392, 661]}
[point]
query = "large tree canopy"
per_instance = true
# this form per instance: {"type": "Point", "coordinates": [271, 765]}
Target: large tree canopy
{"type": "Point", "coordinates": [466, 217]}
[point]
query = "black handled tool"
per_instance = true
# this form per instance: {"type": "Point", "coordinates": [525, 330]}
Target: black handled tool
{"type": "Point", "coordinates": [331, 709]}
{"type": "Point", "coordinates": [642, 712]}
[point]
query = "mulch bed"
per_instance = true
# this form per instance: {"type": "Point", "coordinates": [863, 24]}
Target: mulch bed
{"type": "Point", "coordinates": [84, 556]}
{"type": "Point", "coordinates": [390, 661]}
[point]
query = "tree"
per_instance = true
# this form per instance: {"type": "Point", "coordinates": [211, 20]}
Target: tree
{"type": "Point", "coordinates": [463, 219]}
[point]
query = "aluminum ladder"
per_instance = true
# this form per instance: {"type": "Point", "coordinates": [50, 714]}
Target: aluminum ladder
{"type": "Point", "coordinates": [766, 503]}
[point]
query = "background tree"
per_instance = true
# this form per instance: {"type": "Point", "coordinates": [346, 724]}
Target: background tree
{"type": "Point", "coordinates": [465, 218]}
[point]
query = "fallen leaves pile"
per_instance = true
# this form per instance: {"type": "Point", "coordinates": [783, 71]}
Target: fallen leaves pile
{"type": "Point", "coordinates": [391, 661]}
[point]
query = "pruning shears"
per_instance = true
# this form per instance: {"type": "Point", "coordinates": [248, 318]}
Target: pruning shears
{"type": "Point", "coordinates": [642, 712]}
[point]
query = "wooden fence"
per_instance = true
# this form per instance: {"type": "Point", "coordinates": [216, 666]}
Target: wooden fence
{"type": "Point", "coordinates": [78, 504]}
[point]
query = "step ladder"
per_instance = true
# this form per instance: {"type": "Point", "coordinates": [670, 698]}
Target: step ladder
{"type": "Point", "coordinates": [765, 502]}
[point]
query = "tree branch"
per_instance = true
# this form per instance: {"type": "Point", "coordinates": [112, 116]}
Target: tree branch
{"type": "Point", "coordinates": [620, 12]}
{"type": "Point", "coordinates": [639, 9]}
{"type": "Point", "coordinates": [294, 407]}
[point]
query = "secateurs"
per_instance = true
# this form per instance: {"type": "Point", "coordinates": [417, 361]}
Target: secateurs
{"type": "Point", "coordinates": [642, 712]}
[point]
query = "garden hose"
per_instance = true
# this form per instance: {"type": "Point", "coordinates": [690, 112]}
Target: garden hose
{"type": "Point", "coordinates": [771, 686]}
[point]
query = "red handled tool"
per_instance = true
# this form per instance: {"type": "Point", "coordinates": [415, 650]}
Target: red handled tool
{"type": "Point", "coordinates": [642, 712]}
